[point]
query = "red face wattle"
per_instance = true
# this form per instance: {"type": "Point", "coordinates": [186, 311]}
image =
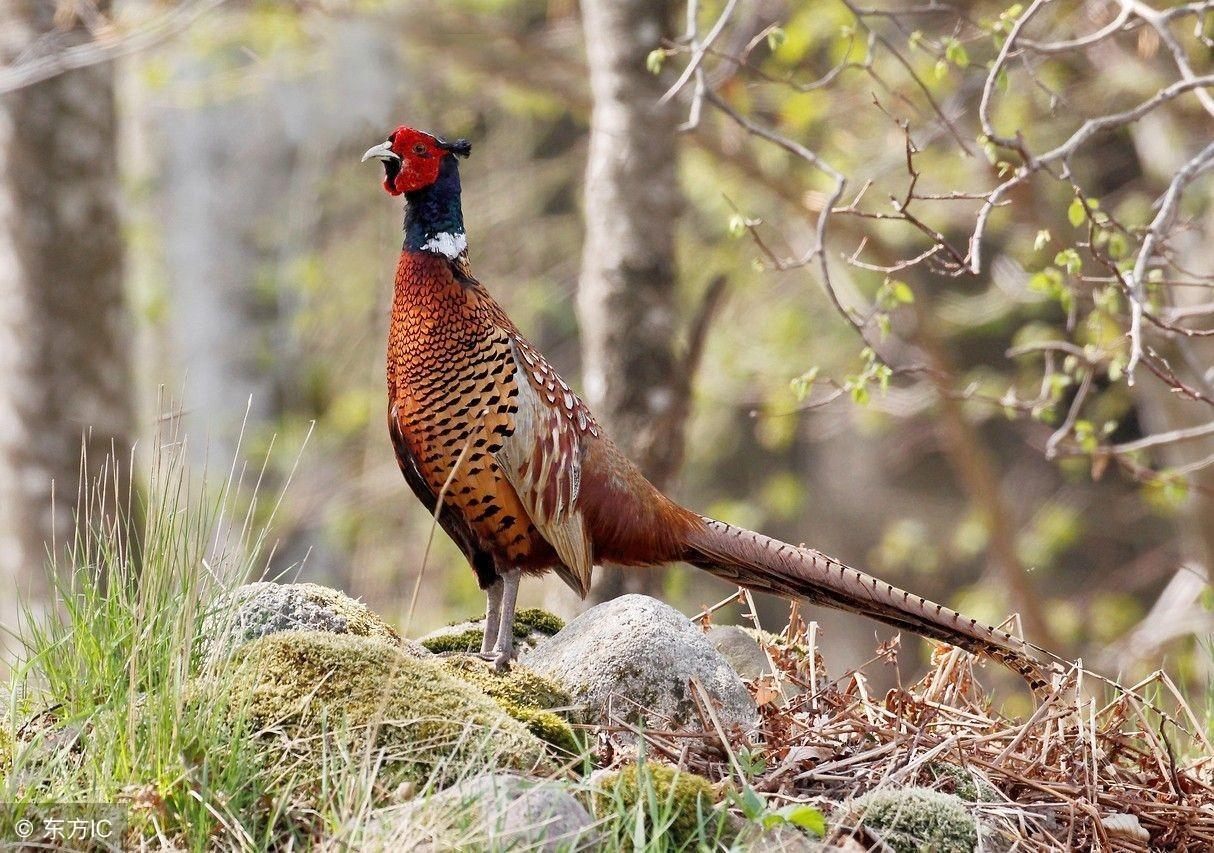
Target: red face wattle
{"type": "Point", "coordinates": [411, 160]}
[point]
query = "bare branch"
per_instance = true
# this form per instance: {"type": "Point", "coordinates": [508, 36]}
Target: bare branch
{"type": "Point", "coordinates": [699, 50]}
{"type": "Point", "coordinates": [1155, 234]}
{"type": "Point", "coordinates": [40, 68]}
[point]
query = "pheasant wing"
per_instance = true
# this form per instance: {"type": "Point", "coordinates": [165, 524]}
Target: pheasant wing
{"type": "Point", "coordinates": [542, 459]}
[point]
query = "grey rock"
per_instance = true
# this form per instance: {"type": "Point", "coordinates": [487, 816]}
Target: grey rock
{"type": "Point", "coordinates": [256, 610]}
{"type": "Point", "coordinates": [741, 649]}
{"type": "Point", "coordinates": [494, 811]}
{"type": "Point", "coordinates": [637, 653]}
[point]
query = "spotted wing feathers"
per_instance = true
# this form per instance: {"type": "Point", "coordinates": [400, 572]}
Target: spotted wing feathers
{"type": "Point", "coordinates": [542, 459]}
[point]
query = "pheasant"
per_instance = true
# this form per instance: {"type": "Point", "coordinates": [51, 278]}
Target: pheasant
{"type": "Point", "coordinates": [522, 477]}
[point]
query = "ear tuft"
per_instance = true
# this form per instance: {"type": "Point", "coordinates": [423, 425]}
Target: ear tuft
{"type": "Point", "coordinates": [460, 147]}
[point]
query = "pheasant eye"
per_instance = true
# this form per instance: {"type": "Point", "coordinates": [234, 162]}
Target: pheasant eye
{"type": "Point", "coordinates": [419, 148]}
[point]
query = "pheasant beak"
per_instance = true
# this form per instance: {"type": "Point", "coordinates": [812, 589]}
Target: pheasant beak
{"type": "Point", "coordinates": [383, 151]}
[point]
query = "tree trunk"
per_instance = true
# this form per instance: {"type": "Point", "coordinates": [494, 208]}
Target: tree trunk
{"type": "Point", "coordinates": [633, 378]}
{"type": "Point", "coordinates": [64, 371]}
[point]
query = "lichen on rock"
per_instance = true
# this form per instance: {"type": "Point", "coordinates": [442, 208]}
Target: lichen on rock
{"type": "Point", "coordinates": [320, 689]}
{"type": "Point", "coordinates": [531, 625]}
{"type": "Point", "coordinates": [635, 658]}
{"type": "Point", "coordinates": [525, 695]}
{"type": "Point", "coordinates": [741, 649]}
{"type": "Point", "coordinates": [688, 798]}
{"type": "Point", "coordinates": [260, 609]}
{"type": "Point", "coordinates": [492, 811]}
{"type": "Point", "coordinates": [913, 819]}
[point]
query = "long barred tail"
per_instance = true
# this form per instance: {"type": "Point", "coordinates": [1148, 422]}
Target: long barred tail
{"type": "Point", "coordinates": [760, 563]}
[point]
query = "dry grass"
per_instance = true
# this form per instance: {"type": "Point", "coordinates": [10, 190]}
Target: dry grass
{"type": "Point", "coordinates": [1094, 766]}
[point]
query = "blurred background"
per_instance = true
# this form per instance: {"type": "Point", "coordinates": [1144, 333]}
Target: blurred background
{"type": "Point", "coordinates": [187, 236]}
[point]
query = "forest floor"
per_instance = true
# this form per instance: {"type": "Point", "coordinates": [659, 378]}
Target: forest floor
{"type": "Point", "coordinates": [351, 737]}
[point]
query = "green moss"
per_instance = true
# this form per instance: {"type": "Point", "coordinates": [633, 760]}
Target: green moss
{"type": "Point", "coordinates": [913, 819]}
{"type": "Point", "coordinates": [533, 620]}
{"type": "Point", "coordinates": [524, 695]}
{"type": "Point", "coordinates": [967, 785]}
{"type": "Point", "coordinates": [528, 621]}
{"type": "Point", "coordinates": [340, 690]}
{"type": "Point", "coordinates": [548, 727]}
{"type": "Point", "coordinates": [465, 641]}
{"type": "Point", "coordinates": [687, 799]}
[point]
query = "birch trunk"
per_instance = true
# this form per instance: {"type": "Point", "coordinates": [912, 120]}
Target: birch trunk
{"type": "Point", "coordinates": [64, 371]}
{"type": "Point", "coordinates": [626, 300]}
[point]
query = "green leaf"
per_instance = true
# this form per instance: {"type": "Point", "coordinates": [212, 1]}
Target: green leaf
{"type": "Point", "coordinates": [1043, 237]}
{"type": "Point", "coordinates": [802, 385]}
{"type": "Point", "coordinates": [1075, 214]}
{"type": "Point", "coordinates": [1167, 492]}
{"type": "Point", "coordinates": [883, 324]}
{"type": "Point", "coordinates": [654, 60]}
{"type": "Point", "coordinates": [954, 52]}
{"type": "Point", "coordinates": [776, 37]}
{"type": "Point", "coordinates": [751, 803]}
{"type": "Point", "coordinates": [883, 372]}
{"type": "Point", "coordinates": [1048, 281]}
{"type": "Point", "coordinates": [1117, 245]}
{"type": "Point", "coordinates": [737, 225]}
{"type": "Point", "coordinates": [1069, 260]}
{"type": "Point", "coordinates": [893, 293]}
{"type": "Point", "coordinates": [804, 816]}
{"type": "Point", "coordinates": [988, 148]}
{"type": "Point", "coordinates": [752, 762]}
{"type": "Point", "coordinates": [941, 69]}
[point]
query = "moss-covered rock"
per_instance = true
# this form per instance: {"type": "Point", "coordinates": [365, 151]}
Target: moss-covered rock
{"type": "Point", "coordinates": [462, 641]}
{"type": "Point", "coordinates": [349, 692]}
{"type": "Point", "coordinates": [531, 624]}
{"type": "Point", "coordinates": [914, 819]}
{"type": "Point", "coordinates": [526, 696]}
{"type": "Point", "coordinates": [686, 798]}
{"type": "Point", "coordinates": [258, 610]}
{"type": "Point", "coordinates": [533, 620]}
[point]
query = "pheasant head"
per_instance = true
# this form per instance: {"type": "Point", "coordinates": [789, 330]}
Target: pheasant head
{"type": "Point", "coordinates": [413, 159]}
{"type": "Point", "coordinates": [423, 168]}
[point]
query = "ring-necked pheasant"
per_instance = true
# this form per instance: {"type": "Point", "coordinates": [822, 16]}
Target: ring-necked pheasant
{"type": "Point", "coordinates": [525, 480]}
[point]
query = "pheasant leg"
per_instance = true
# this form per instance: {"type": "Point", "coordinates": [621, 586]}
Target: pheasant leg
{"type": "Point", "coordinates": [503, 649]}
{"type": "Point", "coordinates": [493, 615]}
